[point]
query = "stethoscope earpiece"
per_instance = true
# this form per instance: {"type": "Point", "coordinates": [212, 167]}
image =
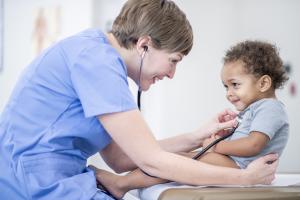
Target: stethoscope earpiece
{"type": "Point", "coordinates": [145, 48]}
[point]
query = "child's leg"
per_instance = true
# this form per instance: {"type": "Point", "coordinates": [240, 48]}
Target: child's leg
{"type": "Point", "coordinates": [218, 159]}
{"type": "Point", "coordinates": [213, 158]}
{"type": "Point", "coordinates": [119, 185]}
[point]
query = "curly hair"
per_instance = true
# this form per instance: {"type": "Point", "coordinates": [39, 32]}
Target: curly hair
{"type": "Point", "coordinates": [259, 58]}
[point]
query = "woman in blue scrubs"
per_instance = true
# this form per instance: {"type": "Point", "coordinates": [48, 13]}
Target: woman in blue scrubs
{"type": "Point", "coordinates": [73, 101]}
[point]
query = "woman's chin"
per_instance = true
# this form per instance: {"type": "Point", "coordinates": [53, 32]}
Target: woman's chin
{"type": "Point", "coordinates": [147, 86]}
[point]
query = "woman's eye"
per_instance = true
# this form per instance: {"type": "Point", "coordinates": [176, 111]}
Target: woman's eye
{"type": "Point", "coordinates": [173, 61]}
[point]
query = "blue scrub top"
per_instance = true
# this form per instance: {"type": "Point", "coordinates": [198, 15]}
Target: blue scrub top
{"type": "Point", "coordinates": [49, 127]}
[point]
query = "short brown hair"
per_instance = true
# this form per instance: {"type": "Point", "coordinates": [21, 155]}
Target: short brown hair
{"type": "Point", "coordinates": [259, 58]}
{"type": "Point", "coordinates": [162, 20]}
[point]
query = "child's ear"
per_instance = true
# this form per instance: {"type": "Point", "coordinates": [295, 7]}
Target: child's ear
{"type": "Point", "coordinates": [265, 83]}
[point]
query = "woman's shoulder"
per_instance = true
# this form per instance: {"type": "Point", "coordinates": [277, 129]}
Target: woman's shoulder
{"type": "Point", "coordinates": [89, 38]}
{"type": "Point", "coordinates": [90, 44]}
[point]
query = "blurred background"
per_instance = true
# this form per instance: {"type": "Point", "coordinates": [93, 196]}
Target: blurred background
{"type": "Point", "coordinates": [196, 93]}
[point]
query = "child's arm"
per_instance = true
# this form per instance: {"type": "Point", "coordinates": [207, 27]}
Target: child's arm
{"type": "Point", "coordinates": [243, 147]}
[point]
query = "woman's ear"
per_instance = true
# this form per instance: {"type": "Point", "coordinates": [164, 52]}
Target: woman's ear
{"type": "Point", "coordinates": [265, 83]}
{"type": "Point", "coordinates": [143, 43]}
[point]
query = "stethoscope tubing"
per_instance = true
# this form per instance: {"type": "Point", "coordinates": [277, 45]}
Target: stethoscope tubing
{"type": "Point", "coordinates": [139, 93]}
{"type": "Point", "coordinates": [195, 157]}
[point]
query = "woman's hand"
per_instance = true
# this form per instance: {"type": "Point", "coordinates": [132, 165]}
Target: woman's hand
{"type": "Point", "coordinates": [221, 125]}
{"type": "Point", "coordinates": [262, 170]}
{"type": "Point", "coordinates": [209, 140]}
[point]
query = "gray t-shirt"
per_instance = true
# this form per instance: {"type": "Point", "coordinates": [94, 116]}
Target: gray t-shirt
{"type": "Point", "coordinates": [269, 117]}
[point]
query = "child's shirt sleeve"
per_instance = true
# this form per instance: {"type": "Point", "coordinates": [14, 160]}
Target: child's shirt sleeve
{"type": "Point", "coordinates": [268, 117]}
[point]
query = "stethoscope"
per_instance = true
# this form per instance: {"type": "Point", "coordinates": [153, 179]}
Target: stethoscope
{"type": "Point", "coordinates": [200, 153]}
{"type": "Point", "coordinates": [139, 93]}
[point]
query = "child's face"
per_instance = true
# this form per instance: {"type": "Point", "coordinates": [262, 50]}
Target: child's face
{"type": "Point", "coordinates": [241, 87]}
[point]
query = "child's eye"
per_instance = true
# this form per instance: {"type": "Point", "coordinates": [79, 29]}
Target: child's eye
{"type": "Point", "coordinates": [235, 85]}
{"type": "Point", "coordinates": [226, 87]}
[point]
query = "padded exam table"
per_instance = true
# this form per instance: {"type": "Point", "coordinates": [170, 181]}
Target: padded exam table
{"type": "Point", "coordinates": [285, 186]}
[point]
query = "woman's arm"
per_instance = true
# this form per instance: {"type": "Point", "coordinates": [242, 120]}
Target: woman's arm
{"type": "Point", "coordinates": [243, 147]}
{"type": "Point", "coordinates": [120, 162]}
{"type": "Point", "coordinates": [116, 159]}
{"type": "Point", "coordinates": [190, 141]}
{"type": "Point", "coordinates": [130, 132]}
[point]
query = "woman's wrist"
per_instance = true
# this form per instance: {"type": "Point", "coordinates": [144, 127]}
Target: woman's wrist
{"type": "Point", "coordinates": [246, 178]}
{"type": "Point", "coordinates": [238, 177]}
{"type": "Point", "coordinates": [196, 139]}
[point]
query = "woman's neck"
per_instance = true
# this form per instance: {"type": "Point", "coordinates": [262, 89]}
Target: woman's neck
{"type": "Point", "coordinates": [129, 56]}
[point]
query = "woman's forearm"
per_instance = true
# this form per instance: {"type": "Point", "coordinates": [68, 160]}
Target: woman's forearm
{"type": "Point", "coordinates": [116, 159]}
{"type": "Point", "coordinates": [187, 171]}
{"type": "Point", "coordinates": [181, 143]}
{"type": "Point", "coordinates": [190, 141]}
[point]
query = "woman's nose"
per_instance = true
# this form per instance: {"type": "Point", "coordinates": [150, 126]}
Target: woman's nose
{"type": "Point", "coordinates": [171, 73]}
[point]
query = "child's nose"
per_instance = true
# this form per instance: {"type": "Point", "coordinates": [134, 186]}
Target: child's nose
{"type": "Point", "coordinates": [229, 93]}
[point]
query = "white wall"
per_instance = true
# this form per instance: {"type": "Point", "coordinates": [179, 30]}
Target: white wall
{"type": "Point", "coordinates": [196, 92]}
{"type": "Point", "coordinates": [19, 18]}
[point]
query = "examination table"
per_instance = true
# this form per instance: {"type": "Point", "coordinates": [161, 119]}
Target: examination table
{"type": "Point", "coordinates": [285, 186]}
